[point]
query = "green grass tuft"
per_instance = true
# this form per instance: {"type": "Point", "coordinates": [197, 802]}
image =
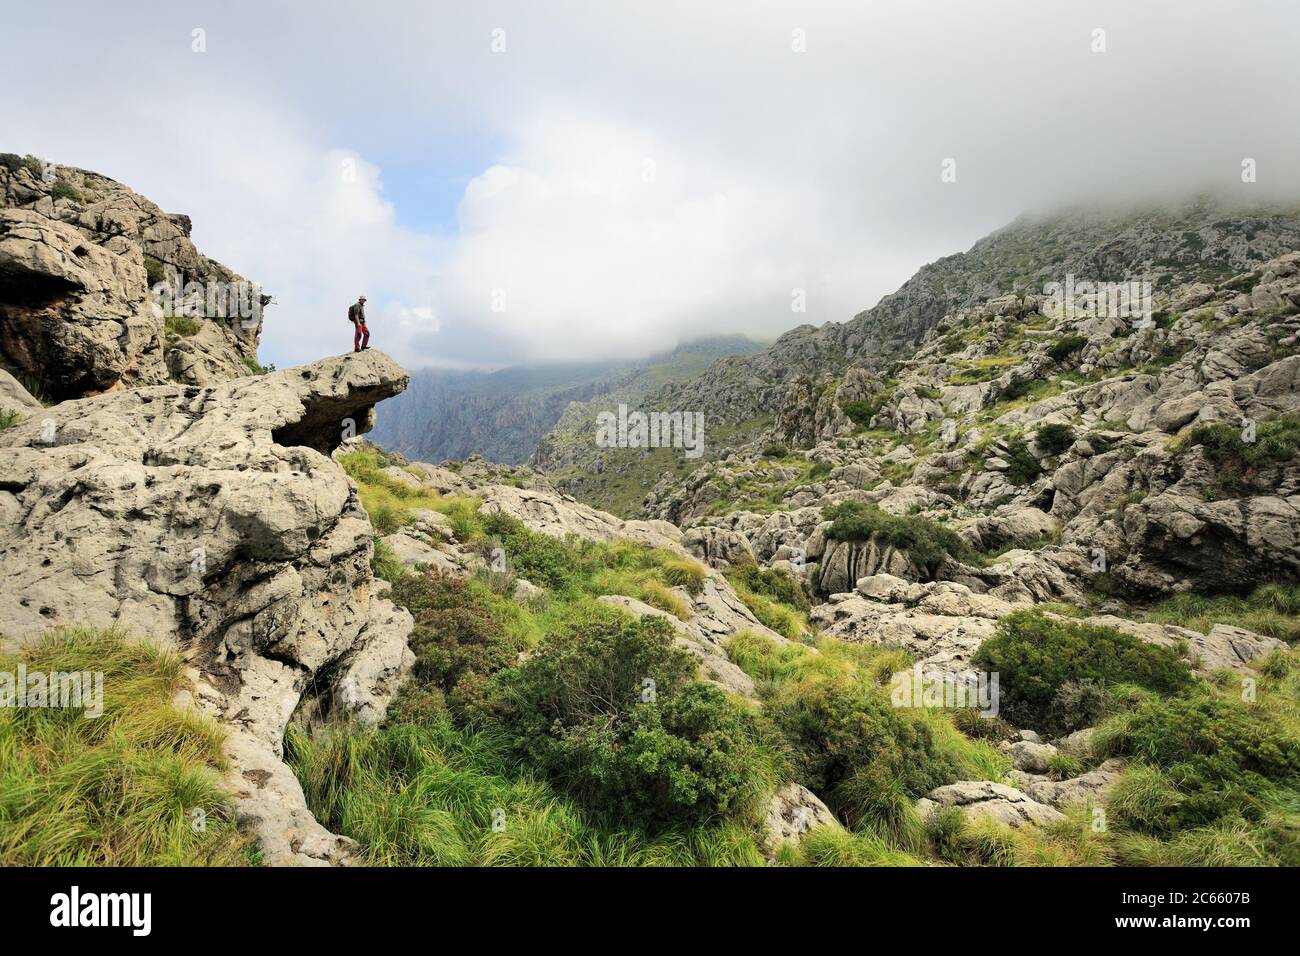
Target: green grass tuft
{"type": "Point", "coordinates": [122, 789]}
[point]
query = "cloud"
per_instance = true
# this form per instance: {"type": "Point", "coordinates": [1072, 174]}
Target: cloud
{"type": "Point", "coordinates": [618, 240]}
{"type": "Point", "coordinates": [636, 174]}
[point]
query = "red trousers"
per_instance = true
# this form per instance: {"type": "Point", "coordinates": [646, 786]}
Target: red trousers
{"type": "Point", "coordinates": [360, 337]}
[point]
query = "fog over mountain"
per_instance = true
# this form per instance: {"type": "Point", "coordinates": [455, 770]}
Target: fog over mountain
{"type": "Point", "coordinates": [502, 206]}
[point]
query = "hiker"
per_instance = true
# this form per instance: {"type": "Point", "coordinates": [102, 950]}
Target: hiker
{"type": "Point", "coordinates": [360, 334]}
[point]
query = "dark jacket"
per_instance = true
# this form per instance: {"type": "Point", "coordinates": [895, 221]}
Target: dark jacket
{"type": "Point", "coordinates": [357, 313]}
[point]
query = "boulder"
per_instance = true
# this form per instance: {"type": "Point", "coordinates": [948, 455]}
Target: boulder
{"type": "Point", "coordinates": [15, 398]}
{"type": "Point", "coordinates": [1031, 757]}
{"type": "Point", "coordinates": [984, 799]}
{"type": "Point", "coordinates": [718, 547]}
{"type": "Point", "coordinates": [792, 813]}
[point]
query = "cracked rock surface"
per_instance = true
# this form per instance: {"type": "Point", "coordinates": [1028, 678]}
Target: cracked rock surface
{"type": "Point", "coordinates": [213, 520]}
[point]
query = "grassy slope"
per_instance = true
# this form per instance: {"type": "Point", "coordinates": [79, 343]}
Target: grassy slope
{"type": "Point", "coordinates": [122, 789]}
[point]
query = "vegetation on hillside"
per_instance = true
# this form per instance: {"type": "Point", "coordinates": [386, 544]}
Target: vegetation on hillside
{"type": "Point", "coordinates": [1050, 670]}
{"type": "Point", "coordinates": [139, 785]}
{"type": "Point", "coordinates": [927, 543]}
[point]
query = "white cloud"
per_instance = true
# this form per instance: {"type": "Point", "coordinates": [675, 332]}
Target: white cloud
{"type": "Point", "coordinates": [772, 170]}
{"type": "Point", "coordinates": [617, 240]}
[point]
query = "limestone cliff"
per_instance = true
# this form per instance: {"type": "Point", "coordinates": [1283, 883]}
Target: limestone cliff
{"type": "Point", "coordinates": [101, 289]}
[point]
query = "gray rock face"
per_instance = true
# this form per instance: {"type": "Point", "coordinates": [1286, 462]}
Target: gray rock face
{"type": "Point", "coordinates": [211, 519]}
{"type": "Point", "coordinates": [941, 624]}
{"type": "Point", "coordinates": [1086, 787]}
{"type": "Point", "coordinates": [77, 313]}
{"type": "Point", "coordinates": [15, 398]}
{"type": "Point", "coordinates": [984, 799]}
{"type": "Point", "coordinates": [718, 547]}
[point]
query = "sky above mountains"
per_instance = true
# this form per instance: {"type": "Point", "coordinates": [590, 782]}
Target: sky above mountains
{"type": "Point", "coordinates": [562, 180]}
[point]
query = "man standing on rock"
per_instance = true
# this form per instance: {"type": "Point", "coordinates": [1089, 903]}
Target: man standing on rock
{"type": "Point", "coordinates": [357, 316]}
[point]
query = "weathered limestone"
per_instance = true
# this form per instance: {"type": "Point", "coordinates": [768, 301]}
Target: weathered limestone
{"type": "Point", "coordinates": [211, 519]}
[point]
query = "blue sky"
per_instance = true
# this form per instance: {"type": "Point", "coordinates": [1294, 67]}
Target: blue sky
{"type": "Point", "coordinates": [578, 180]}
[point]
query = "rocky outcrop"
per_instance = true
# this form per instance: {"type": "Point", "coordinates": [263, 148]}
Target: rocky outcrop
{"type": "Point", "coordinates": [942, 623]}
{"type": "Point", "coordinates": [212, 520]}
{"type": "Point", "coordinates": [718, 547]}
{"type": "Point", "coordinates": [986, 800]}
{"type": "Point", "coordinates": [1085, 788]}
{"type": "Point", "coordinates": [90, 272]}
{"type": "Point", "coordinates": [793, 812]}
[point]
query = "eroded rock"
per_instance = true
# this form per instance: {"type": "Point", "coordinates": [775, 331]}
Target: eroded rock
{"type": "Point", "coordinates": [212, 520]}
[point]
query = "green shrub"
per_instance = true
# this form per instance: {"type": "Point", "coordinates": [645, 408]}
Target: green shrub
{"type": "Point", "coordinates": [1016, 388]}
{"type": "Point", "coordinates": [1066, 346]}
{"type": "Point", "coordinates": [180, 325]}
{"type": "Point", "coordinates": [858, 751]}
{"type": "Point", "coordinates": [927, 543]}
{"type": "Point", "coordinates": [1054, 438]}
{"type": "Point", "coordinates": [1207, 758]}
{"type": "Point", "coordinates": [775, 583]}
{"type": "Point", "coordinates": [459, 638]}
{"type": "Point", "coordinates": [1036, 656]}
{"type": "Point", "coordinates": [1077, 704]}
{"type": "Point", "coordinates": [610, 714]}
{"type": "Point", "coordinates": [13, 162]}
{"type": "Point", "coordinates": [62, 190]}
{"type": "Point", "coordinates": [154, 271]}
{"type": "Point", "coordinates": [952, 342]}
{"type": "Point", "coordinates": [9, 418]}
{"type": "Point", "coordinates": [775, 451]}
{"type": "Point", "coordinates": [1022, 467]}
{"type": "Point", "coordinates": [775, 597]}
{"type": "Point", "coordinates": [862, 411]}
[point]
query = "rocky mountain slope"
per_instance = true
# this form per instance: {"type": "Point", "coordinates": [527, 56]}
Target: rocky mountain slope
{"type": "Point", "coordinates": [1206, 240]}
{"type": "Point", "coordinates": [1094, 433]}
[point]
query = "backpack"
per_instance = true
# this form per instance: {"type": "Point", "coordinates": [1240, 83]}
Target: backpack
{"type": "Point", "coordinates": [352, 313]}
